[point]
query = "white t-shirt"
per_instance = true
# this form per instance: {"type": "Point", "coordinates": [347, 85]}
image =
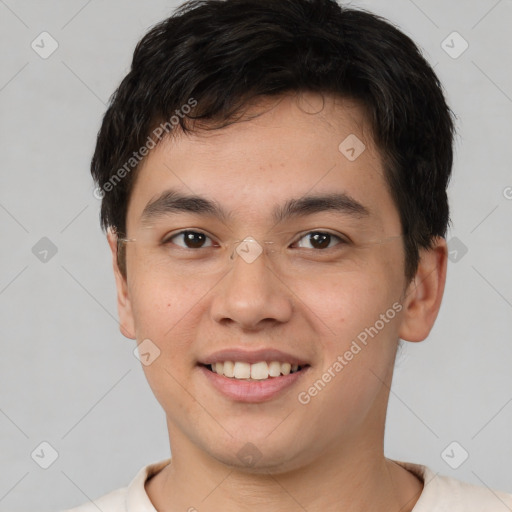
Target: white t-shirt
{"type": "Point", "coordinates": [440, 494]}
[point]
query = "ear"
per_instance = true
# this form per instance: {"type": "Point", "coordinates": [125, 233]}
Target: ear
{"type": "Point", "coordinates": [124, 307]}
{"type": "Point", "coordinates": [424, 293]}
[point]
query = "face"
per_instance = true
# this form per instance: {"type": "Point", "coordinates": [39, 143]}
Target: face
{"type": "Point", "coordinates": [319, 284]}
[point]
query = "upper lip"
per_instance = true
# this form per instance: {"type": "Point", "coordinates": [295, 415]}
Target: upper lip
{"type": "Point", "coordinates": [252, 356]}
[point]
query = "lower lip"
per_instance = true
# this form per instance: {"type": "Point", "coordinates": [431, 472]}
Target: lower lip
{"type": "Point", "coordinates": [252, 391]}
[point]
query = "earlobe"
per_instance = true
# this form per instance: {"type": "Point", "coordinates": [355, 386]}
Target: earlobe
{"type": "Point", "coordinates": [425, 292]}
{"type": "Point", "coordinates": [124, 308]}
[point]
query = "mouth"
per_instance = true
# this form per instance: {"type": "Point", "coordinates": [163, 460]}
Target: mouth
{"type": "Point", "coordinates": [252, 376]}
{"type": "Point", "coordinates": [260, 371]}
{"type": "Point", "coordinates": [258, 382]}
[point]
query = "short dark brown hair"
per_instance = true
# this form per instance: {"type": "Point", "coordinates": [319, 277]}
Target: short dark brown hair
{"type": "Point", "coordinates": [225, 53]}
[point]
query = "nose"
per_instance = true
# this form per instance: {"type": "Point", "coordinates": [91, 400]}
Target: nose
{"type": "Point", "coordinates": [251, 296]}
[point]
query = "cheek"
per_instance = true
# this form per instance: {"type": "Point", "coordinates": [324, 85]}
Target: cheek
{"type": "Point", "coordinates": [164, 310]}
{"type": "Point", "coordinates": [161, 303]}
{"type": "Point", "coordinates": [358, 351]}
{"type": "Point", "coordinates": [357, 318]}
{"type": "Point", "coordinates": [347, 303]}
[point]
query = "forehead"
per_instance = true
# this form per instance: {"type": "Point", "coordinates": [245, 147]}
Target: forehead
{"type": "Point", "coordinates": [284, 148]}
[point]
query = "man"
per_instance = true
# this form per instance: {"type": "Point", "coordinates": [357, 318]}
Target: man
{"type": "Point", "coordinates": [274, 182]}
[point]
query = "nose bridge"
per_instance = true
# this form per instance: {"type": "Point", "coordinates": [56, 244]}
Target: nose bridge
{"type": "Point", "coordinates": [250, 292]}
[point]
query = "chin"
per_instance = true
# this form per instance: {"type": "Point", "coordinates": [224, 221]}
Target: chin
{"type": "Point", "coordinates": [259, 454]}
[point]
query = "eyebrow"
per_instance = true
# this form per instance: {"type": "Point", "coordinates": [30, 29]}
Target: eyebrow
{"type": "Point", "coordinates": [172, 201]}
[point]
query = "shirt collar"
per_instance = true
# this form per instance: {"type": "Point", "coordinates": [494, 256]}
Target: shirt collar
{"type": "Point", "coordinates": [137, 499]}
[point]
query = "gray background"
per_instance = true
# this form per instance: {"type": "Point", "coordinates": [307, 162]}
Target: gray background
{"type": "Point", "coordinates": [69, 378]}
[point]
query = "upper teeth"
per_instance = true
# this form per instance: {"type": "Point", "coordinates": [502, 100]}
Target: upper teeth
{"type": "Point", "coordinates": [258, 371]}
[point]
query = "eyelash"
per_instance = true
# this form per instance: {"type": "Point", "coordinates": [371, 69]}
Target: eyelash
{"type": "Point", "coordinates": [341, 240]}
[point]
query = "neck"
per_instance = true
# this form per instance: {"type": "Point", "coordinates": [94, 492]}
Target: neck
{"type": "Point", "coordinates": [356, 479]}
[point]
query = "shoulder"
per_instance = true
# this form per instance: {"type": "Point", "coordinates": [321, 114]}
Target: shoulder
{"type": "Point", "coordinates": [132, 498]}
{"type": "Point", "coordinates": [445, 494]}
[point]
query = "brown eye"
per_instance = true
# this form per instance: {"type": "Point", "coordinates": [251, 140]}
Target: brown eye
{"type": "Point", "coordinates": [190, 240]}
{"type": "Point", "coordinates": [318, 240]}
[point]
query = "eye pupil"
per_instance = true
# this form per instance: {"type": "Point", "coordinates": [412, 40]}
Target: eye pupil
{"type": "Point", "coordinates": [320, 240]}
{"type": "Point", "coordinates": [194, 240]}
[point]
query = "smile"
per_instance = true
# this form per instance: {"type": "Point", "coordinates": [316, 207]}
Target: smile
{"type": "Point", "coordinates": [261, 370]}
{"type": "Point", "coordinates": [252, 383]}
